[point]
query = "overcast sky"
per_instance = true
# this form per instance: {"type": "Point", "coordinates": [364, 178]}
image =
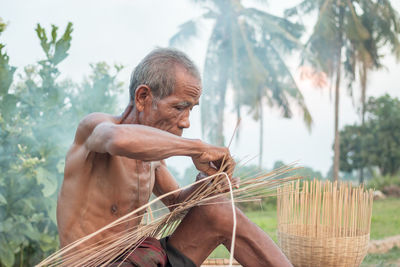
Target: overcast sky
{"type": "Point", "coordinates": [124, 31]}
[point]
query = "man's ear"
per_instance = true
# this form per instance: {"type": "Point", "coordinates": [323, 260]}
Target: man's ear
{"type": "Point", "coordinates": [142, 96]}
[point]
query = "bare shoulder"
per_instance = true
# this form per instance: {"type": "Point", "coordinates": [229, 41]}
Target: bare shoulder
{"type": "Point", "coordinates": [78, 153]}
{"type": "Point", "coordinates": [88, 123]}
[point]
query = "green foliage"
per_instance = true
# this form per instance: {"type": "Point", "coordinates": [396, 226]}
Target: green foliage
{"type": "Point", "coordinates": [29, 177]}
{"type": "Point", "coordinates": [98, 92]}
{"type": "Point", "coordinates": [37, 112]}
{"type": "Point", "coordinates": [349, 35]}
{"type": "Point", "coordinates": [2, 26]}
{"type": "Point", "coordinates": [380, 182]}
{"type": "Point", "coordinates": [377, 142]}
{"type": "Point", "coordinates": [55, 50]}
{"type": "Point", "coordinates": [6, 73]}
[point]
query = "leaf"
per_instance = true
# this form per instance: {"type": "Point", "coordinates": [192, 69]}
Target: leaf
{"type": "Point", "coordinates": [6, 72]}
{"type": "Point", "coordinates": [62, 45]}
{"type": "Point", "coordinates": [52, 210]}
{"type": "Point", "coordinates": [6, 225]}
{"type": "Point", "coordinates": [60, 165]}
{"type": "Point", "coordinates": [3, 25]}
{"type": "Point", "coordinates": [7, 257]}
{"type": "Point", "coordinates": [48, 180]}
{"type": "Point", "coordinates": [41, 33]}
{"type": "Point", "coordinates": [6, 253]}
{"type": "Point", "coordinates": [48, 242]}
{"type": "Point", "coordinates": [31, 232]}
{"type": "Point", "coordinates": [54, 29]}
{"type": "Point", "coordinates": [2, 200]}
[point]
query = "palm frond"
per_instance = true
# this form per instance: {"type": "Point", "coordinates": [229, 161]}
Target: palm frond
{"type": "Point", "coordinates": [186, 32]}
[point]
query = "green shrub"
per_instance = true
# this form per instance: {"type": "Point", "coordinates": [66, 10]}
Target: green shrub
{"type": "Point", "coordinates": [379, 182]}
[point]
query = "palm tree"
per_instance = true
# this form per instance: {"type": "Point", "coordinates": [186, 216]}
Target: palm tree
{"type": "Point", "coordinates": [245, 54]}
{"type": "Point", "coordinates": [341, 32]}
{"type": "Point", "coordinates": [383, 25]}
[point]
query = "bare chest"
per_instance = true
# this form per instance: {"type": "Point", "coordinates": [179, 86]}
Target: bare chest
{"type": "Point", "coordinates": [122, 184]}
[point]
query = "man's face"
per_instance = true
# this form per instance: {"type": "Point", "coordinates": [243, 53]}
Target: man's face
{"type": "Point", "coordinates": [171, 113]}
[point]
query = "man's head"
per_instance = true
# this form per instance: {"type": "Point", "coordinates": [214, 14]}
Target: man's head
{"type": "Point", "coordinates": [157, 70]}
{"type": "Point", "coordinates": [164, 88]}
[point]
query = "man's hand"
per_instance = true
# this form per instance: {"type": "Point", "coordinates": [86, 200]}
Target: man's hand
{"type": "Point", "coordinates": [214, 159]}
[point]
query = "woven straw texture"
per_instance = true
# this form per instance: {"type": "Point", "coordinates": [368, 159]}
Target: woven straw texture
{"type": "Point", "coordinates": [320, 251]}
{"type": "Point", "coordinates": [324, 224]}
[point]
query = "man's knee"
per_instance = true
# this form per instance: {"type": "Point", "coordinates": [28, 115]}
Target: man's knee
{"type": "Point", "coordinates": [218, 214]}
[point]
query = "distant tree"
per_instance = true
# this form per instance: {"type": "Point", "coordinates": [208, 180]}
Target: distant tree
{"type": "Point", "coordinates": [382, 23]}
{"type": "Point", "coordinates": [347, 32]}
{"type": "Point", "coordinates": [377, 143]}
{"type": "Point", "coordinates": [245, 52]}
{"type": "Point", "coordinates": [353, 156]}
{"type": "Point", "coordinates": [98, 92]}
{"type": "Point", "coordinates": [29, 168]}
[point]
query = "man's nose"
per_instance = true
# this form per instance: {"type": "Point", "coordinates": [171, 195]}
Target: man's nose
{"type": "Point", "coordinates": [184, 121]}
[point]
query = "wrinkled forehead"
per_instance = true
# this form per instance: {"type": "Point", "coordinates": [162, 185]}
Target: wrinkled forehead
{"type": "Point", "coordinates": [187, 83]}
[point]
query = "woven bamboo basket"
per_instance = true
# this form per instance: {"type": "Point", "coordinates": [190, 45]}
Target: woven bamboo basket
{"type": "Point", "coordinates": [323, 223]}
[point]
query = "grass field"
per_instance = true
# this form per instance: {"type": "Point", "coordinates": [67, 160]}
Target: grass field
{"type": "Point", "coordinates": [385, 223]}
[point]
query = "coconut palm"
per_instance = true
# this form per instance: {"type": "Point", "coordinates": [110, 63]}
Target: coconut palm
{"type": "Point", "coordinates": [383, 24]}
{"type": "Point", "coordinates": [245, 54]}
{"type": "Point", "coordinates": [341, 34]}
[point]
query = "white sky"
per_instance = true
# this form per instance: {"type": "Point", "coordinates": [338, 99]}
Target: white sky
{"type": "Point", "coordinates": [124, 31]}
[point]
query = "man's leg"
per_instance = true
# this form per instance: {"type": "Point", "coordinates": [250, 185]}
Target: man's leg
{"type": "Point", "coordinates": [207, 226]}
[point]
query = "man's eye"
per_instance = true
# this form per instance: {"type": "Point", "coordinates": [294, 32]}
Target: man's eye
{"type": "Point", "coordinates": [179, 108]}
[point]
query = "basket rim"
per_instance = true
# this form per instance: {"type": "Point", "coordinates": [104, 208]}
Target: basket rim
{"type": "Point", "coordinates": [322, 237]}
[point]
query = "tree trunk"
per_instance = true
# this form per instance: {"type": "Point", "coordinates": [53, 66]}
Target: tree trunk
{"type": "Point", "coordinates": [337, 137]}
{"type": "Point", "coordinates": [337, 94]}
{"type": "Point", "coordinates": [261, 134]}
{"type": "Point", "coordinates": [363, 78]}
{"type": "Point", "coordinates": [220, 141]}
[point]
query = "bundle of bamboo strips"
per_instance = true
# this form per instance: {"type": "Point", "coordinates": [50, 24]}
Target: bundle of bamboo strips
{"type": "Point", "coordinates": [83, 252]}
{"type": "Point", "coordinates": [324, 223]}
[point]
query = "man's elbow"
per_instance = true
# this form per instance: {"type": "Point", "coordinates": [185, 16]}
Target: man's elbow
{"type": "Point", "coordinates": [105, 138]}
{"type": "Point", "coordinates": [120, 143]}
{"type": "Point", "coordinates": [116, 143]}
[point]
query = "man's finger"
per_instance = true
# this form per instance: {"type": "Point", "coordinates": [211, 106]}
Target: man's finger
{"type": "Point", "coordinates": [236, 182]}
{"type": "Point", "coordinates": [211, 170]}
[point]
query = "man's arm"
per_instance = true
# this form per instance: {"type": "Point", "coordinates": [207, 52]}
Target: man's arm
{"type": "Point", "coordinates": [140, 142]}
{"type": "Point", "coordinates": [100, 134]}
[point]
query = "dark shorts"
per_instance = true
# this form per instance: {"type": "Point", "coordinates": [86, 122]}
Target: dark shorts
{"type": "Point", "coordinates": [155, 253]}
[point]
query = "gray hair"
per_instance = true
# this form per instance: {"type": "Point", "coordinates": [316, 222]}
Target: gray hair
{"type": "Point", "coordinates": [157, 70]}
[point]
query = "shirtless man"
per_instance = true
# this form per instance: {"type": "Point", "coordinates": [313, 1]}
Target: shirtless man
{"type": "Point", "coordinates": [116, 162]}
